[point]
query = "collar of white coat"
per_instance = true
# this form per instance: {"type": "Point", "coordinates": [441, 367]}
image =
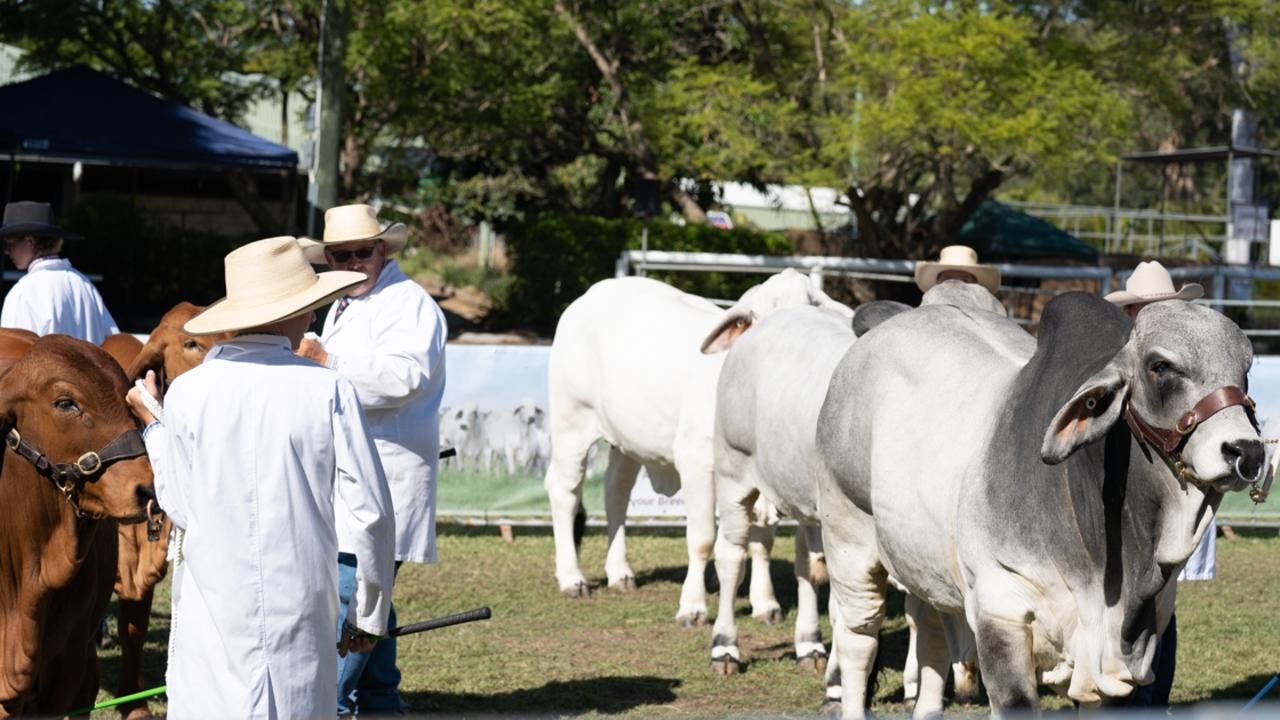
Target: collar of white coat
{"type": "Point", "coordinates": [246, 344]}
{"type": "Point", "coordinates": [391, 273]}
{"type": "Point", "coordinates": [49, 263]}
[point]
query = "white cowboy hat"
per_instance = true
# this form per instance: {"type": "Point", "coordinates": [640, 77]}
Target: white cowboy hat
{"type": "Point", "coordinates": [268, 281]}
{"type": "Point", "coordinates": [1151, 282]}
{"type": "Point", "coordinates": [957, 257]}
{"type": "Point", "coordinates": [351, 223]}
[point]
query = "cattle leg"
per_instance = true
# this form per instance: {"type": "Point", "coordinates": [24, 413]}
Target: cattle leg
{"type": "Point", "coordinates": [764, 604]}
{"type": "Point", "coordinates": [698, 483]}
{"type": "Point", "coordinates": [811, 654]}
{"type": "Point", "coordinates": [619, 479]}
{"type": "Point", "coordinates": [911, 669]}
{"type": "Point", "coordinates": [833, 682]}
{"type": "Point", "coordinates": [731, 555]}
{"type": "Point", "coordinates": [133, 620]}
{"type": "Point", "coordinates": [934, 660]}
{"type": "Point", "coordinates": [573, 436]}
{"type": "Point", "coordinates": [1008, 666]}
{"type": "Point", "coordinates": [858, 585]}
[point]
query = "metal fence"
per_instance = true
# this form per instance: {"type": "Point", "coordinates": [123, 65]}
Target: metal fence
{"type": "Point", "coordinates": [1217, 279]}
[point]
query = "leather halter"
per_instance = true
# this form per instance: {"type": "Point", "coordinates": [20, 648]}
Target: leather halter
{"type": "Point", "coordinates": [1170, 443]}
{"type": "Point", "coordinates": [69, 478]}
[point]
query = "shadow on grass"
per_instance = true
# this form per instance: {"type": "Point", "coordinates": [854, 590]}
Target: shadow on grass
{"type": "Point", "coordinates": [1246, 689]}
{"type": "Point", "coordinates": [605, 695]}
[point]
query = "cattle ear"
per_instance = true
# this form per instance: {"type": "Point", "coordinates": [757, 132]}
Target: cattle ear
{"type": "Point", "coordinates": [1087, 416]}
{"type": "Point", "coordinates": [150, 357]}
{"type": "Point", "coordinates": [731, 326]}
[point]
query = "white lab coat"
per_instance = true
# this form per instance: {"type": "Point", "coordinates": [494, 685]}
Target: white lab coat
{"type": "Point", "coordinates": [54, 297]}
{"type": "Point", "coordinates": [1203, 563]}
{"type": "Point", "coordinates": [246, 461]}
{"type": "Point", "coordinates": [390, 344]}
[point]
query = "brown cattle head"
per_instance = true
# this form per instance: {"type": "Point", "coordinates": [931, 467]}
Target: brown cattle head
{"type": "Point", "coordinates": [65, 397]}
{"type": "Point", "coordinates": [171, 351]}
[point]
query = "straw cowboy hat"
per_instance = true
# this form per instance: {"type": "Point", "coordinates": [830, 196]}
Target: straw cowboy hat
{"type": "Point", "coordinates": [351, 223]}
{"type": "Point", "coordinates": [957, 257]}
{"type": "Point", "coordinates": [1151, 282]}
{"type": "Point", "coordinates": [31, 218]}
{"type": "Point", "coordinates": [268, 281]}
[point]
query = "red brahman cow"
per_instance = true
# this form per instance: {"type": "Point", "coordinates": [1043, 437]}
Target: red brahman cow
{"type": "Point", "coordinates": [169, 352]}
{"type": "Point", "coordinates": [73, 462]}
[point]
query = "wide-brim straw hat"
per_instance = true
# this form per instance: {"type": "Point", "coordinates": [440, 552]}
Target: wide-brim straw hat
{"type": "Point", "coordinates": [32, 218]}
{"type": "Point", "coordinates": [1150, 282]}
{"type": "Point", "coordinates": [269, 281]}
{"type": "Point", "coordinates": [352, 223]}
{"type": "Point", "coordinates": [957, 257]}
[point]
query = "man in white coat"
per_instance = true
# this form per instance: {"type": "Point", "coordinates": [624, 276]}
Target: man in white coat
{"type": "Point", "coordinates": [265, 465]}
{"type": "Point", "coordinates": [52, 297]}
{"type": "Point", "coordinates": [386, 336]}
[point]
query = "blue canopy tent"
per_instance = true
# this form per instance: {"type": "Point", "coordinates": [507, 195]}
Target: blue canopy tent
{"type": "Point", "coordinates": [80, 114]}
{"type": "Point", "coordinates": [85, 141]}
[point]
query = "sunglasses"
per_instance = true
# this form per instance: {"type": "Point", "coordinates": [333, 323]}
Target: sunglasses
{"type": "Point", "coordinates": [342, 256]}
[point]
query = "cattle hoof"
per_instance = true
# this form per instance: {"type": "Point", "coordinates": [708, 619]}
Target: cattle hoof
{"type": "Point", "coordinates": [772, 617]}
{"type": "Point", "coordinates": [726, 665]}
{"type": "Point", "coordinates": [830, 708]}
{"type": "Point", "coordinates": [814, 662]}
{"type": "Point", "coordinates": [966, 698]}
{"type": "Point", "coordinates": [577, 591]}
{"type": "Point", "coordinates": [626, 584]}
{"type": "Point", "coordinates": [909, 705]}
{"type": "Point", "coordinates": [696, 619]}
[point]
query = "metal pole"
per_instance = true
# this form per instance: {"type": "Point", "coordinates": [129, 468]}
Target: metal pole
{"type": "Point", "coordinates": [333, 43]}
{"type": "Point", "coordinates": [1116, 212]}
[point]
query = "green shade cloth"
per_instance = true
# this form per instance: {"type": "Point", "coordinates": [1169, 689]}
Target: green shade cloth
{"type": "Point", "coordinates": [1002, 233]}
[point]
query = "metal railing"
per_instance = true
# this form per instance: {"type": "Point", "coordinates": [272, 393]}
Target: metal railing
{"type": "Point", "coordinates": [1215, 277]}
{"type": "Point", "coordinates": [1148, 233]}
{"type": "Point", "coordinates": [820, 266]}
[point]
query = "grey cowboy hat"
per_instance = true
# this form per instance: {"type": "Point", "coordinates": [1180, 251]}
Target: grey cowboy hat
{"type": "Point", "coordinates": [32, 218]}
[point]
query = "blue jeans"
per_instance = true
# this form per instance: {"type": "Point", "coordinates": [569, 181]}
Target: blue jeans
{"type": "Point", "coordinates": [368, 683]}
{"type": "Point", "coordinates": [1164, 663]}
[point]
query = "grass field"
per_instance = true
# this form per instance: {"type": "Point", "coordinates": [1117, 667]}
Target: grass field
{"type": "Point", "coordinates": [613, 653]}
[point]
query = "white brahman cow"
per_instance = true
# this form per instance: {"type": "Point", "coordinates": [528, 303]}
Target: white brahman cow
{"type": "Point", "coordinates": [625, 366]}
{"type": "Point", "coordinates": [1006, 490]}
{"type": "Point", "coordinates": [770, 392]}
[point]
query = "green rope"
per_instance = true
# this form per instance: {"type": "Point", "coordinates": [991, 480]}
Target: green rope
{"type": "Point", "coordinates": [122, 700]}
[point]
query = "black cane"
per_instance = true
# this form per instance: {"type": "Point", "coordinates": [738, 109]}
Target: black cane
{"type": "Point", "coordinates": [440, 622]}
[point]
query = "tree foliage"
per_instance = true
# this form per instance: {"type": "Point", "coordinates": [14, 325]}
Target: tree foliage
{"type": "Point", "coordinates": [505, 109]}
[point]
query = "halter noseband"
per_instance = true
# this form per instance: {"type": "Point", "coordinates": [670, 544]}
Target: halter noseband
{"type": "Point", "coordinates": [69, 478]}
{"type": "Point", "coordinates": [1170, 443]}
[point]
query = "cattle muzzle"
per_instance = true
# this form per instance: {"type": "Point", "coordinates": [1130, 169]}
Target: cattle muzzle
{"type": "Point", "coordinates": [69, 478]}
{"type": "Point", "coordinates": [1169, 444]}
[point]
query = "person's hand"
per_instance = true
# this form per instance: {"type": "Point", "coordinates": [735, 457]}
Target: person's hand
{"type": "Point", "coordinates": [136, 402]}
{"type": "Point", "coordinates": [313, 350]}
{"type": "Point", "coordinates": [355, 640]}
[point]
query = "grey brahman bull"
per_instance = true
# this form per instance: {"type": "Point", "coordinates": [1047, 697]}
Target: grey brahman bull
{"type": "Point", "coordinates": [625, 366]}
{"type": "Point", "coordinates": [1044, 491]}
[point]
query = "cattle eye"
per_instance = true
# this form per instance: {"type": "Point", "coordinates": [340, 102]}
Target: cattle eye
{"type": "Point", "coordinates": [66, 404]}
{"type": "Point", "coordinates": [191, 345]}
{"type": "Point", "coordinates": [1161, 367]}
